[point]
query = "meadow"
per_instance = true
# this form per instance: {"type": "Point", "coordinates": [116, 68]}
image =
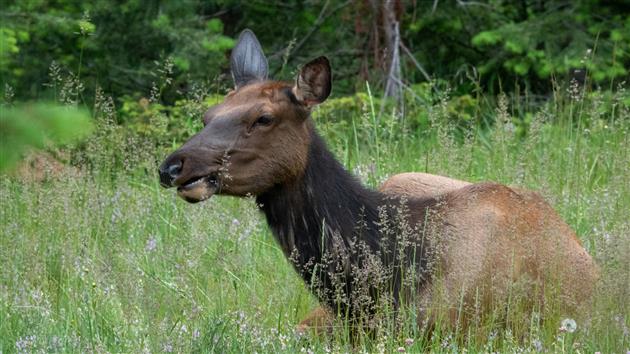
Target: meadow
{"type": "Point", "coordinates": [97, 257]}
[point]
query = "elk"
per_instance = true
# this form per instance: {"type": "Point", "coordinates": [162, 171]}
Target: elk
{"type": "Point", "coordinates": [444, 245]}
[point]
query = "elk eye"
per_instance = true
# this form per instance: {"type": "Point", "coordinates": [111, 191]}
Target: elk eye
{"type": "Point", "coordinates": [263, 120]}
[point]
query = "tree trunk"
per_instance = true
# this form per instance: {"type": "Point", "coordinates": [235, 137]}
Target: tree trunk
{"type": "Point", "coordinates": [393, 79]}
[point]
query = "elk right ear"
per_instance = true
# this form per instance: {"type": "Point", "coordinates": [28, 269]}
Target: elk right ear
{"type": "Point", "coordinates": [314, 82]}
{"type": "Point", "coordinates": [248, 62]}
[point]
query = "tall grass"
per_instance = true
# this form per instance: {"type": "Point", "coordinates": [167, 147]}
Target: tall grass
{"type": "Point", "coordinates": [110, 262]}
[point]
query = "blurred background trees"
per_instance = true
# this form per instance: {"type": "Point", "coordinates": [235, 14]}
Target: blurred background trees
{"type": "Point", "coordinates": [129, 47]}
{"type": "Point", "coordinates": [147, 70]}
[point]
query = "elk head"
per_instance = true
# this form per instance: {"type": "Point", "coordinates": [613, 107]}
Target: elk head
{"type": "Point", "coordinates": [258, 137]}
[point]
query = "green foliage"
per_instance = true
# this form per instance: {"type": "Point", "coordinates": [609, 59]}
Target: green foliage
{"type": "Point", "coordinates": [523, 42]}
{"type": "Point", "coordinates": [493, 44]}
{"type": "Point", "coordinates": [118, 47]}
{"type": "Point", "coordinates": [165, 125]}
{"type": "Point", "coordinates": [8, 45]}
{"type": "Point", "coordinates": [537, 44]}
{"type": "Point", "coordinates": [36, 126]}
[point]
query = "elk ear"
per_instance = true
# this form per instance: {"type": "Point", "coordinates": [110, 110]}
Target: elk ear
{"type": "Point", "coordinates": [248, 62]}
{"type": "Point", "coordinates": [314, 82]}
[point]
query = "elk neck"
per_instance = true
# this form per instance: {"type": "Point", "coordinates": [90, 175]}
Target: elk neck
{"type": "Point", "coordinates": [327, 210]}
{"type": "Point", "coordinates": [305, 213]}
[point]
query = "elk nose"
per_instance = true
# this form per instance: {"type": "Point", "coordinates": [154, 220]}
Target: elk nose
{"type": "Point", "coordinates": [169, 171]}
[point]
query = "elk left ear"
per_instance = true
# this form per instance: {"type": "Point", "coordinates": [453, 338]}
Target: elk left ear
{"type": "Point", "coordinates": [248, 62]}
{"type": "Point", "coordinates": [314, 82]}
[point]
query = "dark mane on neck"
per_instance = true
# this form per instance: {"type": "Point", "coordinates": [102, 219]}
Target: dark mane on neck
{"type": "Point", "coordinates": [330, 226]}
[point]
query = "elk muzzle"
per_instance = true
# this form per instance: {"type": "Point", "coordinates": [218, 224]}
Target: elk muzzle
{"type": "Point", "coordinates": [195, 180]}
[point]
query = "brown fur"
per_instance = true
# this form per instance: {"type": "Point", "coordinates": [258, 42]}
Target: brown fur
{"type": "Point", "coordinates": [485, 243]}
{"type": "Point", "coordinates": [492, 236]}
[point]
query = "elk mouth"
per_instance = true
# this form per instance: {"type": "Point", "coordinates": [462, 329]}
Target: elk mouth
{"type": "Point", "coordinates": [198, 188]}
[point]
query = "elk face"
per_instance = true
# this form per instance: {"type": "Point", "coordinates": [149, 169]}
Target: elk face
{"type": "Point", "coordinates": [258, 137]}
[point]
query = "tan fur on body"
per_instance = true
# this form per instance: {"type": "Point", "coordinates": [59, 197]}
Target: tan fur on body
{"type": "Point", "coordinates": [498, 242]}
{"type": "Point", "coordinates": [492, 237]}
{"type": "Point", "coordinates": [419, 185]}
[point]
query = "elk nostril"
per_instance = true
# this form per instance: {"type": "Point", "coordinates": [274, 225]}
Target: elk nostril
{"type": "Point", "coordinates": [174, 170]}
{"type": "Point", "coordinates": [170, 171]}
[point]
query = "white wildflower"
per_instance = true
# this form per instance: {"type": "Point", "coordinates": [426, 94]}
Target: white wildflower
{"type": "Point", "coordinates": [568, 325]}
